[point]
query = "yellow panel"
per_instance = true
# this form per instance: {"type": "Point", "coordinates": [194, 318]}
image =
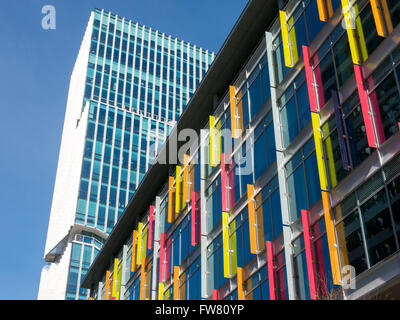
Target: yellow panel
{"type": "Point", "coordinates": [139, 250]}
{"type": "Point", "coordinates": [115, 278]}
{"type": "Point", "coordinates": [329, 153]}
{"type": "Point", "coordinates": [170, 199]}
{"type": "Point", "coordinates": [331, 237]}
{"type": "Point", "coordinates": [117, 297]}
{"type": "Point", "coordinates": [289, 41]}
{"type": "Point", "coordinates": [229, 246]}
{"type": "Point", "coordinates": [191, 180]}
{"type": "Point", "coordinates": [148, 281]}
{"type": "Point", "coordinates": [178, 182]}
{"type": "Point", "coordinates": [319, 151]}
{"type": "Point", "coordinates": [144, 241]}
{"type": "Point", "coordinates": [160, 291]}
{"type": "Point", "coordinates": [355, 33]}
{"type": "Point", "coordinates": [133, 255]}
{"type": "Point", "coordinates": [185, 195]}
{"type": "Point", "coordinates": [212, 142]}
{"type": "Point", "coordinates": [241, 295]}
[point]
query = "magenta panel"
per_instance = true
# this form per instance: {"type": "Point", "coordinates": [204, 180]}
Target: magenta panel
{"type": "Point", "coordinates": [312, 280]}
{"type": "Point", "coordinates": [310, 80]}
{"type": "Point", "coordinates": [271, 270]}
{"type": "Point", "coordinates": [223, 184]}
{"type": "Point", "coordinates": [194, 220]}
{"type": "Point", "coordinates": [362, 92]}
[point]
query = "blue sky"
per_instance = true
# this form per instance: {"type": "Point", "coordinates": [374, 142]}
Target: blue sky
{"type": "Point", "coordinates": [35, 67]}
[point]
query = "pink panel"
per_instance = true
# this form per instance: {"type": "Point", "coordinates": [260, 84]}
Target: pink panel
{"type": "Point", "coordinates": [162, 258]}
{"type": "Point", "coordinates": [320, 259]}
{"type": "Point", "coordinates": [271, 270]}
{"type": "Point", "coordinates": [231, 180]}
{"type": "Point", "coordinates": [375, 109]}
{"type": "Point", "coordinates": [215, 294]}
{"type": "Point", "coordinates": [318, 82]}
{"type": "Point", "coordinates": [194, 219]}
{"type": "Point", "coordinates": [223, 184]}
{"type": "Point", "coordinates": [151, 228]}
{"type": "Point", "coordinates": [310, 79]}
{"type": "Point", "coordinates": [312, 280]}
{"type": "Point", "coordinates": [362, 92]}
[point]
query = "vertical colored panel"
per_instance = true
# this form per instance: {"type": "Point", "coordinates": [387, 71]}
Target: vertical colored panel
{"type": "Point", "coordinates": [376, 113]}
{"type": "Point", "coordinates": [114, 279]}
{"type": "Point", "coordinates": [178, 182]}
{"type": "Point", "coordinates": [107, 286]}
{"type": "Point", "coordinates": [148, 281]}
{"type": "Point", "coordinates": [162, 258]}
{"type": "Point", "coordinates": [160, 291]}
{"type": "Point", "coordinates": [312, 279]}
{"type": "Point", "coordinates": [231, 187]}
{"type": "Point", "coordinates": [224, 189]}
{"type": "Point", "coordinates": [119, 275]}
{"type": "Point", "coordinates": [355, 32]}
{"type": "Point", "coordinates": [383, 22]}
{"type": "Point", "coordinates": [236, 114]}
{"type": "Point", "coordinates": [142, 280]}
{"type": "Point", "coordinates": [215, 294]}
{"type": "Point", "coordinates": [325, 9]}
{"type": "Point", "coordinates": [319, 151]}
{"type": "Point", "coordinates": [241, 295]}
{"type": "Point", "coordinates": [170, 199]}
{"type": "Point", "coordinates": [212, 141]}
{"type": "Point", "coordinates": [185, 193]}
{"type": "Point", "coordinates": [139, 244]}
{"type": "Point", "coordinates": [167, 259]}
{"type": "Point", "coordinates": [288, 40]}
{"type": "Point", "coordinates": [255, 222]}
{"type": "Point", "coordinates": [310, 80]}
{"type": "Point", "coordinates": [194, 220]}
{"type": "Point", "coordinates": [331, 237]}
{"type": "Point", "coordinates": [271, 270]}
{"type": "Point", "coordinates": [368, 121]}
{"type": "Point", "coordinates": [151, 228]}
{"type": "Point", "coordinates": [344, 153]}
{"type": "Point", "coordinates": [133, 252]}
{"type": "Point", "coordinates": [176, 283]}
{"type": "Point", "coordinates": [229, 246]}
{"type": "Point", "coordinates": [322, 280]}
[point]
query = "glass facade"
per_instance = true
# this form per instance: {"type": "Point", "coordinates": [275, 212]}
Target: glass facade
{"type": "Point", "coordinates": [309, 167]}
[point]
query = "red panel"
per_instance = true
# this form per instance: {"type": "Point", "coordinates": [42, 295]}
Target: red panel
{"type": "Point", "coordinates": [281, 277]}
{"type": "Point", "coordinates": [310, 79]}
{"type": "Point", "coordinates": [312, 280]}
{"type": "Point", "coordinates": [375, 109]}
{"type": "Point", "coordinates": [194, 220]}
{"type": "Point", "coordinates": [215, 294]}
{"type": "Point", "coordinates": [271, 270]}
{"type": "Point", "coordinates": [320, 258]}
{"type": "Point", "coordinates": [162, 258]}
{"type": "Point", "coordinates": [223, 184]}
{"type": "Point", "coordinates": [151, 228]}
{"type": "Point", "coordinates": [362, 92]}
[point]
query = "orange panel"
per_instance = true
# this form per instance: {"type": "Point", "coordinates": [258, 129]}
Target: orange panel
{"type": "Point", "coordinates": [241, 295]}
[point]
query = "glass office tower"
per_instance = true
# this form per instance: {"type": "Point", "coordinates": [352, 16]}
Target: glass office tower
{"type": "Point", "coordinates": [307, 203]}
{"type": "Point", "coordinates": [129, 86]}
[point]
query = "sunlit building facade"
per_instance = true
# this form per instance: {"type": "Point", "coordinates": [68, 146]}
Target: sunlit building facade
{"type": "Point", "coordinates": [306, 205]}
{"type": "Point", "coordinates": [129, 86]}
